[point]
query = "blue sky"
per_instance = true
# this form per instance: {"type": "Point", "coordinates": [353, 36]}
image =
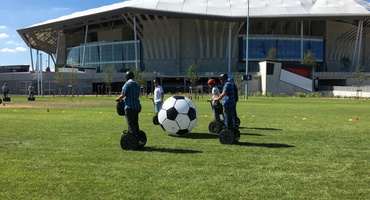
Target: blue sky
{"type": "Point", "coordinates": [18, 14]}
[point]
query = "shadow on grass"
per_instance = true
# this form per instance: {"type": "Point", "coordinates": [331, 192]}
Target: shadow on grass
{"type": "Point", "coordinates": [200, 136]}
{"type": "Point", "coordinates": [252, 134]}
{"type": "Point", "coordinates": [168, 150]}
{"type": "Point", "coordinates": [263, 129]}
{"type": "Point", "coordinates": [268, 145]}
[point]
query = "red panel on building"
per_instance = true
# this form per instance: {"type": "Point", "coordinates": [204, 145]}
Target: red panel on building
{"type": "Point", "coordinates": [302, 72]}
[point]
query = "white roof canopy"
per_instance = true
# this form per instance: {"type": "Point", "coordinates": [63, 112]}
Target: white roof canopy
{"type": "Point", "coordinates": [43, 35]}
{"type": "Point", "coordinates": [236, 8]}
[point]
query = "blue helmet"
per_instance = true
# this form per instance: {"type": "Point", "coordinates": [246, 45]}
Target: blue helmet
{"type": "Point", "coordinates": [5, 84]}
{"type": "Point", "coordinates": [231, 79]}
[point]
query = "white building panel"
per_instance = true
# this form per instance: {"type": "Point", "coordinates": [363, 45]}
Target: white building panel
{"type": "Point", "coordinates": [296, 80]}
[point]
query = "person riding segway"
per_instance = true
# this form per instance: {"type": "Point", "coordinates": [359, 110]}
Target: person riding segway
{"type": "Point", "coordinates": [6, 92]}
{"type": "Point", "coordinates": [217, 124]}
{"type": "Point", "coordinates": [231, 134]}
{"type": "Point", "coordinates": [31, 92]}
{"type": "Point", "coordinates": [237, 119]}
{"type": "Point", "coordinates": [133, 138]}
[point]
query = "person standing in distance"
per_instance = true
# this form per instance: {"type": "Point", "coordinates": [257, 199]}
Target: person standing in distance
{"type": "Point", "coordinates": [228, 99]}
{"type": "Point", "coordinates": [158, 96]}
{"type": "Point", "coordinates": [31, 90]}
{"type": "Point", "coordinates": [131, 93]}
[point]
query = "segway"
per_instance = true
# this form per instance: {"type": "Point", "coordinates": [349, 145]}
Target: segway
{"type": "Point", "coordinates": [217, 125]}
{"type": "Point", "coordinates": [229, 136]}
{"type": "Point", "coordinates": [120, 107]}
{"type": "Point", "coordinates": [132, 141]}
{"type": "Point", "coordinates": [6, 98]}
{"type": "Point", "coordinates": [226, 136]}
{"type": "Point", "coordinates": [129, 140]}
{"type": "Point", "coordinates": [31, 98]}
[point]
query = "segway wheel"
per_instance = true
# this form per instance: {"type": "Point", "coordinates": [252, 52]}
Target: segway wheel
{"type": "Point", "coordinates": [142, 139]}
{"type": "Point", "coordinates": [214, 127]}
{"type": "Point", "coordinates": [237, 134]}
{"type": "Point", "coordinates": [155, 120]}
{"type": "Point", "coordinates": [227, 136]}
{"type": "Point", "coordinates": [129, 142]}
{"type": "Point", "coordinates": [237, 123]}
{"type": "Point", "coordinates": [31, 98]}
{"type": "Point", "coordinates": [6, 99]}
{"type": "Point", "coordinates": [1, 101]}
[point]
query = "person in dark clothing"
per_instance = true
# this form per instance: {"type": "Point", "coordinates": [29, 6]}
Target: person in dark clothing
{"type": "Point", "coordinates": [131, 93]}
{"type": "Point", "coordinates": [228, 99]}
{"type": "Point", "coordinates": [236, 94]}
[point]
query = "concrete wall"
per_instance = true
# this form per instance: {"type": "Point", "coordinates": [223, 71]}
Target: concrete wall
{"type": "Point", "coordinates": [340, 44]}
{"type": "Point", "coordinates": [171, 45]}
{"type": "Point", "coordinates": [110, 35]}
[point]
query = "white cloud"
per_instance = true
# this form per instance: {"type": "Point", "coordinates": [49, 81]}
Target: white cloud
{"type": "Point", "coordinates": [11, 42]}
{"type": "Point", "coordinates": [60, 9]}
{"type": "Point", "coordinates": [7, 50]}
{"type": "Point", "coordinates": [2, 26]}
{"type": "Point", "coordinates": [3, 35]}
{"type": "Point", "coordinates": [21, 49]}
{"type": "Point", "coordinates": [17, 49]}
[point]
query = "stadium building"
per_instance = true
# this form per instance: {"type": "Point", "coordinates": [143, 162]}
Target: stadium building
{"type": "Point", "coordinates": [164, 37]}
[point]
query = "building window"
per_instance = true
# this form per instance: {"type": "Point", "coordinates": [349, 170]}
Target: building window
{"type": "Point", "coordinates": [288, 47]}
{"type": "Point", "coordinates": [99, 55]}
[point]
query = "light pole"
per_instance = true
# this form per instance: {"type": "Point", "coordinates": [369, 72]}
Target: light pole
{"type": "Point", "coordinates": [247, 52]}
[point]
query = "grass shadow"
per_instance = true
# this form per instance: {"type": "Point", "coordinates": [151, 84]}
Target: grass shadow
{"type": "Point", "coordinates": [252, 134]}
{"type": "Point", "coordinates": [168, 150]}
{"type": "Point", "coordinates": [263, 129]}
{"type": "Point", "coordinates": [267, 145]}
{"type": "Point", "coordinates": [199, 136]}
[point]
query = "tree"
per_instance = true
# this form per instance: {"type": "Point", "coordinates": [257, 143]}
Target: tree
{"type": "Point", "coordinates": [309, 59]}
{"type": "Point", "coordinates": [139, 77]}
{"type": "Point", "coordinates": [108, 77]}
{"type": "Point", "coordinates": [192, 77]}
{"type": "Point", "coordinates": [359, 75]}
{"type": "Point", "coordinates": [346, 62]}
{"type": "Point", "coordinates": [238, 82]}
{"type": "Point", "coordinates": [59, 79]}
{"type": "Point", "coordinates": [272, 54]}
{"type": "Point", "coordinates": [72, 79]}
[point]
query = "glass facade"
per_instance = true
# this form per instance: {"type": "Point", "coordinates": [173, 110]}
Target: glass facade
{"type": "Point", "coordinates": [99, 55]}
{"type": "Point", "coordinates": [288, 47]}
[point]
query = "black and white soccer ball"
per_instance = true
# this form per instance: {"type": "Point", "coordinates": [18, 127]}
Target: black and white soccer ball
{"type": "Point", "coordinates": [178, 115]}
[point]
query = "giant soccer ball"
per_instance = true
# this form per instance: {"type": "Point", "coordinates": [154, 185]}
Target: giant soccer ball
{"type": "Point", "coordinates": [178, 115]}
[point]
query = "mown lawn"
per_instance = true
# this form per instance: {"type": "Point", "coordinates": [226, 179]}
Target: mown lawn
{"type": "Point", "coordinates": [290, 148]}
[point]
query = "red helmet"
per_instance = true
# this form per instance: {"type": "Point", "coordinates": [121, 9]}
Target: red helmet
{"type": "Point", "coordinates": [211, 81]}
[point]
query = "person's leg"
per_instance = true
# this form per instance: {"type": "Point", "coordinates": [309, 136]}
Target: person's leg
{"type": "Point", "coordinates": [128, 115]}
{"type": "Point", "coordinates": [157, 107]}
{"type": "Point", "coordinates": [229, 112]}
{"type": "Point", "coordinates": [135, 121]}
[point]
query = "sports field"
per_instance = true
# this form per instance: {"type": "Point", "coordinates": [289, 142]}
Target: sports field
{"type": "Point", "coordinates": [290, 148]}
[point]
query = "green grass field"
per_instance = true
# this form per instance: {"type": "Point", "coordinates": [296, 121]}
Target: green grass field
{"type": "Point", "coordinates": [290, 148]}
